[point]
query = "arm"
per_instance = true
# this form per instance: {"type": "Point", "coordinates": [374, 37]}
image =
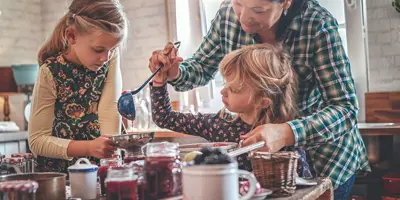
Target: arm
{"type": "Point", "coordinates": [41, 119]}
{"type": "Point", "coordinates": [203, 65]}
{"type": "Point", "coordinates": [164, 117]}
{"type": "Point", "coordinates": [109, 118]}
{"type": "Point", "coordinates": [334, 80]}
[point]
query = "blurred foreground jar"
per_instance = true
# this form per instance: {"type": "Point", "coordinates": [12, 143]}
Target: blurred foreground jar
{"type": "Point", "coordinates": [18, 190]}
{"type": "Point", "coordinates": [121, 183]}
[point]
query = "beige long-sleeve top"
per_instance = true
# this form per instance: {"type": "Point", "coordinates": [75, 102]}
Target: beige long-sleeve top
{"type": "Point", "coordinates": [41, 118]}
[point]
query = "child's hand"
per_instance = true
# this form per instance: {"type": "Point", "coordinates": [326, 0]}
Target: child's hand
{"type": "Point", "coordinates": [101, 147]}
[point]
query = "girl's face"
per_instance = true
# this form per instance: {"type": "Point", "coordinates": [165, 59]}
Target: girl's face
{"type": "Point", "coordinates": [92, 50]}
{"type": "Point", "coordinates": [237, 99]}
{"type": "Point", "coordinates": [256, 16]}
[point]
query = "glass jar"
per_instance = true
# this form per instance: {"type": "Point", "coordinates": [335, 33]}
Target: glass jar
{"type": "Point", "coordinates": [162, 170]}
{"type": "Point", "coordinates": [17, 162]}
{"type": "Point", "coordinates": [121, 183]}
{"type": "Point", "coordinates": [18, 190]}
{"type": "Point", "coordinates": [28, 164]}
{"type": "Point", "coordinates": [133, 155]}
{"type": "Point", "coordinates": [105, 164]}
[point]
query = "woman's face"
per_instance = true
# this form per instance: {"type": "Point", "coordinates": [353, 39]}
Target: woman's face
{"type": "Point", "coordinates": [257, 16]}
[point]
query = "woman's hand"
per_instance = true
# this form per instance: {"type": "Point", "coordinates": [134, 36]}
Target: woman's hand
{"type": "Point", "coordinates": [101, 147]}
{"type": "Point", "coordinates": [275, 136]}
{"type": "Point", "coordinates": [168, 57]}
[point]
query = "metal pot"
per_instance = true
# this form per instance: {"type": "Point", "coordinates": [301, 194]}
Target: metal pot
{"type": "Point", "coordinates": [51, 185]}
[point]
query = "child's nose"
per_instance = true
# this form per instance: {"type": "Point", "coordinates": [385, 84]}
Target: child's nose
{"type": "Point", "coordinates": [223, 92]}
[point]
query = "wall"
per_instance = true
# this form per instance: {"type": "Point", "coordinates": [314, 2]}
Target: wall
{"type": "Point", "coordinates": [25, 24]}
{"type": "Point", "coordinates": [384, 46]}
{"type": "Point", "coordinates": [19, 32]}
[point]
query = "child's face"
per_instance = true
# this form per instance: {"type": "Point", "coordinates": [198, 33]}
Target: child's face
{"type": "Point", "coordinates": [237, 99]}
{"type": "Point", "coordinates": [94, 50]}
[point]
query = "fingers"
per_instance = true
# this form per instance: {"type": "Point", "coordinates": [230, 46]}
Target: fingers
{"type": "Point", "coordinates": [251, 133]}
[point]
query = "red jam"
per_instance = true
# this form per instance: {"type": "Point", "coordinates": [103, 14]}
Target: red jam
{"type": "Point", "coordinates": [102, 172]}
{"type": "Point", "coordinates": [129, 159]}
{"type": "Point", "coordinates": [122, 190]}
{"type": "Point", "coordinates": [162, 176]}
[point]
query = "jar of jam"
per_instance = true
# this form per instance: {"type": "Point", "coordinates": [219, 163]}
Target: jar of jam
{"type": "Point", "coordinates": [28, 164]}
{"type": "Point", "coordinates": [105, 164]}
{"type": "Point", "coordinates": [17, 162]}
{"type": "Point", "coordinates": [18, 190]}
{"type": "Point", "coordinates": [121, 183]}
{"type": "Point", "coordinates": [162, 170]}
{"type": "Point", "coordinates": [133, 154]}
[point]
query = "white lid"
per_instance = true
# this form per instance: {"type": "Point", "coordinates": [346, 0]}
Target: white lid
{"type": "Point", "coordinates": [86, 167]}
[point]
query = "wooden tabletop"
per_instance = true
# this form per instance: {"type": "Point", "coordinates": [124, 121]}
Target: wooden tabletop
{"type": "Point", "coordinates": [322, 191]}
{"type": "Point", "coordinates": [379, 129]}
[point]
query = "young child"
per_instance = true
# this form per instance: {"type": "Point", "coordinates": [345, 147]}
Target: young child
{"type": "Point", "coordinates": [79, 82]}
{"type": "Point", "coordinates": [260, 88]}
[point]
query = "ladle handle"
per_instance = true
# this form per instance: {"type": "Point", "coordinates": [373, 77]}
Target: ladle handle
{"type": "Point", "coordinates": [242, 150]}
{"type": "Point", "coordinates": [147, 81]}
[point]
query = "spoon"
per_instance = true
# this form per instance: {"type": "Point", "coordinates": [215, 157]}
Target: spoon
{"type": "Point", "coordinates": [126, 104]}
{"type": "Point", "coordinates": [242, 150]}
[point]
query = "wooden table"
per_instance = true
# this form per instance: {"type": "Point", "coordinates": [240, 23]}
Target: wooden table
{"type": "Point", "coordinates": [379, 129]}
{"type": "Point", "coordinates": [322, 191]}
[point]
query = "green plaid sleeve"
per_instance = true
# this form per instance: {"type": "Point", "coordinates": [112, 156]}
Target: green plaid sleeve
{"type": "Point", "coordinates": [203, 65]}
{"type": "Point", "coordinates": [331, 69]}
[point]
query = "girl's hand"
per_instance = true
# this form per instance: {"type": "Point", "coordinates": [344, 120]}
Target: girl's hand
{"type": "Point", "coordinates": [168, 57]}
{"type": "Point", "coordinates": [101, 147]}
{"type": "Point", "coordinates": [275, 136]}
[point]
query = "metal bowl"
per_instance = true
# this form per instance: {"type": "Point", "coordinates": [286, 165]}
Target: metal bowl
{"type": "Point", "coordinates": [187, 148]}
{"type": "Point", "coordinates": [132, 141]}
{"type": "Point", "coordinates": [51, 185]}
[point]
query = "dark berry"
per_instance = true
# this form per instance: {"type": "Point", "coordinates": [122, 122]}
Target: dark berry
{"type": "Point", "coordinates": [199, 159]}
{"type": "Point", "coordinates": [206, 151]}
{"type": "Point", "coordinates": [217, 151]}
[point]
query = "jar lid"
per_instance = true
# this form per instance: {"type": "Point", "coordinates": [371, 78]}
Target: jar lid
{"type": "Point", "coordinates": [23, 155]}
{"type": "Point", "coordinates": [19, 185]}
{"type": "Point", "coordinates": [86, 167]}
{"type": "Point", "coordinates": [13, 160]}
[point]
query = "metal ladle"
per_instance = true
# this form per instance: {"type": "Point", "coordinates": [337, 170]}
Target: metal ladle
{"type": "Point", "coordinates": [126, 104]}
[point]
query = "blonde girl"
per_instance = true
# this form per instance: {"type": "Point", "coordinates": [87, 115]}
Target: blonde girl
{"type": "Point", "coordinates": [260, 88]}
{"type": "Point", "coordinates": [74, 99]}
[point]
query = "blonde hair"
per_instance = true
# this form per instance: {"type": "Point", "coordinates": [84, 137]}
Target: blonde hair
{"type": "Point", "coordinates": [267, 71]}
{"type": "Point", "coordinates": [86, 16]}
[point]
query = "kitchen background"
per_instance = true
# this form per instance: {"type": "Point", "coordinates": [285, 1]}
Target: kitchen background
{"type": "Point", "coordinates": [370, 30]}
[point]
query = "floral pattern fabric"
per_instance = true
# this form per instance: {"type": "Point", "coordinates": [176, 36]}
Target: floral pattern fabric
{"type": "Point", "coordinates": [75, 111]}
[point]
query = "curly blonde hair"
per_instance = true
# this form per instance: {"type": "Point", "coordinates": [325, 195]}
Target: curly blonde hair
{"type": "Point", "coordinates": [267, 71]}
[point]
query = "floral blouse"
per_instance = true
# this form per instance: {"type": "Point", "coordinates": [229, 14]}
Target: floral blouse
{"type": "Point", "coordinates": [209, 126]}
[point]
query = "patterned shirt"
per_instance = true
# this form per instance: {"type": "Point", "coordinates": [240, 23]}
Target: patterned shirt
{"type": "Point", "coordinates": [328, 106]}
{"type": "Point", "coordinates": [211, 127]}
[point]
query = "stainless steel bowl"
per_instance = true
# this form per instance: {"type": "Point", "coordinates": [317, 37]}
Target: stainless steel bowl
{"type": "Point", "coordinates": [132, 141]}
{"type": "Point", "coordinates": [187, 148]}
{"type": "Point", "coordinates": [51, 185]}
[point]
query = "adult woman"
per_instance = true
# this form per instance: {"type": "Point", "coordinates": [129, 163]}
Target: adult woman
{"type": "Point", "coordinates": [327, 101]}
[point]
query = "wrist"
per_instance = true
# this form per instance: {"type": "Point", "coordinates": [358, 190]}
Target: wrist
{"type": "Point", "coordinates": [158, 83]}
{"type": "Point", "coordinates": [289, 137]}
{"type": "Point", "coordinates": [176, 77]}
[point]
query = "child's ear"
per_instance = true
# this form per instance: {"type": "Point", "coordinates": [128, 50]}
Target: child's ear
{"type": "Point", "coordinates": [70, 35]}
{"type": "Point", "coordinates": [265, 102]}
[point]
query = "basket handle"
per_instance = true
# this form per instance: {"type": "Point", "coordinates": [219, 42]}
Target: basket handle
{"type": "Point", "coordinates": [253, 184]}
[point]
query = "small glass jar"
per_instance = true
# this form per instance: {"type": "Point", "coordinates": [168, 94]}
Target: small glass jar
{"type": "Point", "coordinates": [105, 164]}
{"type": "Point", "coordinates": [18, 190]}
{"type": "Point", "coordinates": [28, 164]}
{"type": "Point", "coordinates": [18, 162]}
{"type": "Point", "coordinates": [121, 183]}
{"type": "Point", "coordinates": [131, 156]}
{"type": "Point", "coordinates": [163, 170]}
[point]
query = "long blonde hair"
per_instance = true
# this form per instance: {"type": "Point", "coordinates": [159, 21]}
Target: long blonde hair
{"type": "Point", "coordinates": [267, 70]}
{"type": "Point", "coordinates": [86, 16]}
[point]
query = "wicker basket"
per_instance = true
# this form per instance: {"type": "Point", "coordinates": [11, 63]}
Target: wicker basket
{"type": "Point", "coordinates": [276, 171]}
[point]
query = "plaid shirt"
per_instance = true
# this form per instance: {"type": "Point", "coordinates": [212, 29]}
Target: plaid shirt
{"type": "Point", "coordinates": [327, 100]}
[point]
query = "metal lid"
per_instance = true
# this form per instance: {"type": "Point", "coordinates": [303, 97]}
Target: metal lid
{"type": "Point", "coordinates": [19, 185]}
{"type": "Point", "coordinates": [86, 167]}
